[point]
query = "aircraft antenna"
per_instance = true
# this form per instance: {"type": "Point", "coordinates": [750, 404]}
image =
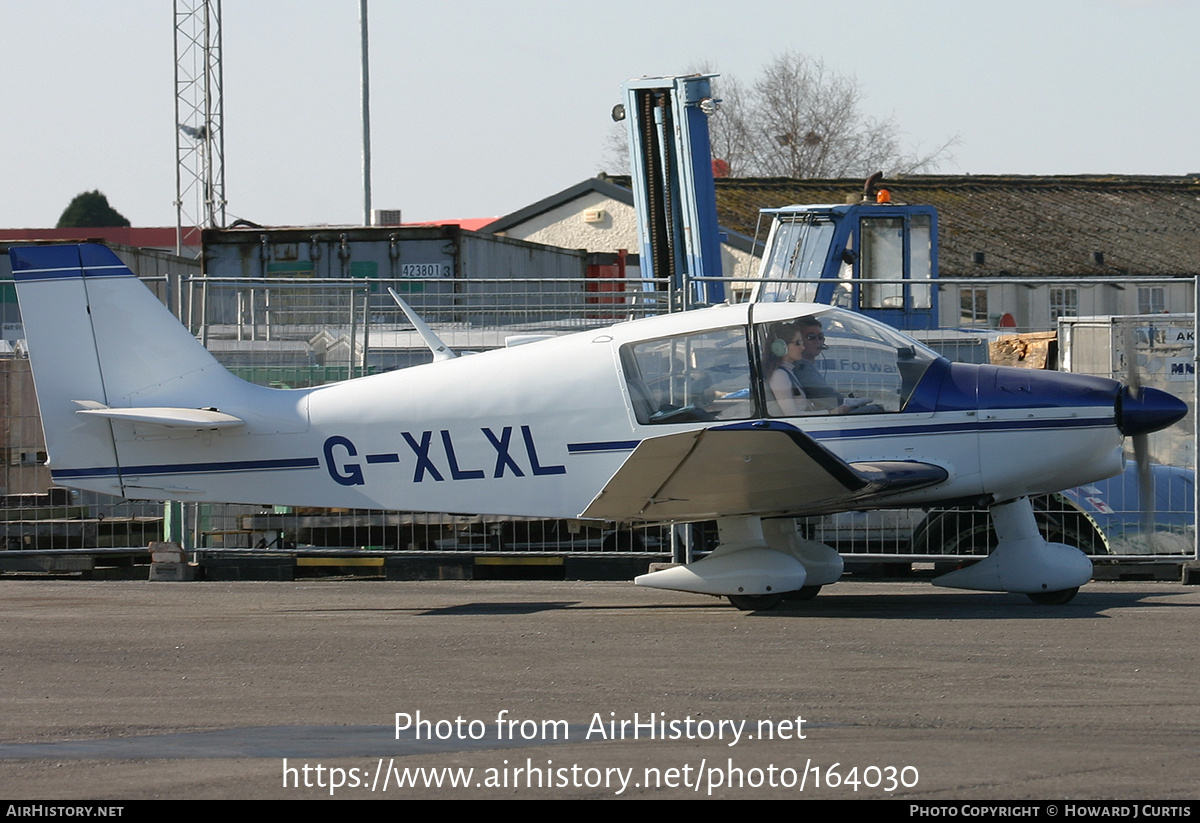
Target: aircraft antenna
{"type": "Point", "coordinates": [199, 121]}
{"type": "Point", "coordinates": [440, 350]}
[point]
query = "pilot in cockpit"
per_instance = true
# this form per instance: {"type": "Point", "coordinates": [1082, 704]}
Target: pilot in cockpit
{"type": "Point", "coordinates": [796, 384]}
{"type": "Point", "coordinates": [821, 395]}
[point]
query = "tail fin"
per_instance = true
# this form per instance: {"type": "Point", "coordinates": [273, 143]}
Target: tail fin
{"type": "Point", "coordinates": [100, 342]}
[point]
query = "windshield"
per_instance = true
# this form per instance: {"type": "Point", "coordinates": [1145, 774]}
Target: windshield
{"type": "Point", "coordinates": [810, 360]}
{"type": "Point", "coordinates": [831, 361]}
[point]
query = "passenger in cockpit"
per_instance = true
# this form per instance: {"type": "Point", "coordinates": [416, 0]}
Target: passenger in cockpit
{"type": "Point", "coordinates": [785, 396]}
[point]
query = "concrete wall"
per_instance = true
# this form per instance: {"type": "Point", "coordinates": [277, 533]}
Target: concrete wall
{"type": "Point", "coordinates": [566, 227]}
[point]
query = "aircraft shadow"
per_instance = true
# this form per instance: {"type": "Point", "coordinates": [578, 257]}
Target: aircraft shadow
{"type": "Point", "coordinates": [932, 605]}
{"type": "Point", "coordinates": [965, 605]}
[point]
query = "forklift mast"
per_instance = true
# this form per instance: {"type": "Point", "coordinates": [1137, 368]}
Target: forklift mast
{"type": "Point", "coordinates": [874, 256]}
{"type": "Point", "coordinates": [673, 190]}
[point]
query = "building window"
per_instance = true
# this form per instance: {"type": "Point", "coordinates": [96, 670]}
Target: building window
{"type": "Point", "coordinates": [973, 307]}
{"type": "Point", "coordinates": [1064, 303]}
{"type": "Point", "coordinates": [1151, 300]}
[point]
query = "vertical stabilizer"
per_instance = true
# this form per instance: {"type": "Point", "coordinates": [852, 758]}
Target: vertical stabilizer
{"type": "Point", "coordinates": [99, 338]}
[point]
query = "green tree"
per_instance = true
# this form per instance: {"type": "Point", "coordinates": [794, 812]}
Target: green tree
{"type": "Point", "coordinates": [90, 210]}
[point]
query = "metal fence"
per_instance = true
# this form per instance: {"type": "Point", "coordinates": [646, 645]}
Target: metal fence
{"type": "Point", "coordinates": [357, 326]}
{"type": "Point", "coordinates": [297, 332]}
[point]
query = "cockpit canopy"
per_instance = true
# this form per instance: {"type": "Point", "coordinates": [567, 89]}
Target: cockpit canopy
{"type": "Point", "coordinates": [826, 360]}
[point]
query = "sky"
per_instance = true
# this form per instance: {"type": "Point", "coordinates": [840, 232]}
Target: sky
{"type": "Point", "coordinates": [481, 108]}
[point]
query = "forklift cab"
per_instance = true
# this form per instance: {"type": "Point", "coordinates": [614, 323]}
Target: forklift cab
{"type": "Point", "coordinates": [877, 258]}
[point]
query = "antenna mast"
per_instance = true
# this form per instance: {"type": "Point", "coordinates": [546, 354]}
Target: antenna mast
{"type": "Point", "coordinates": [199, 121]}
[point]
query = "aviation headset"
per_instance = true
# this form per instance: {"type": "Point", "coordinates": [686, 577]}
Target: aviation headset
{"type": "Point", "coordinates": [779, 344]}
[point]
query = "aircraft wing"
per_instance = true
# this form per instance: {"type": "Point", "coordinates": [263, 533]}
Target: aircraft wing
{"type": "Point", "coordinates": [747, 469]}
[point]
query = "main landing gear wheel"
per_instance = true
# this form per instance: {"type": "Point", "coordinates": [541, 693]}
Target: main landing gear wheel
{"type": "Point", "coordinates": [755, 602]}
{"type": "Point", "coordinates": [806, 593]}
{"type": "Point", "coordinates": [1057, 598]}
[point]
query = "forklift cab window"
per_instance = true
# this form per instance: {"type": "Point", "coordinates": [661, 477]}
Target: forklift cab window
{"type": "Point", "coordinates": [882, 246]}
{"type": "Point", "coordinates": [843, 293]}
{"type": "Point", "coordinates": [920, 260]}
{"type": "Point", "coordinates": [799, 247]}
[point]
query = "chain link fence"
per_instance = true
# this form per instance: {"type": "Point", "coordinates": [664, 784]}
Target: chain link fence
{"type": "Point", "coordinates": [301, 332]}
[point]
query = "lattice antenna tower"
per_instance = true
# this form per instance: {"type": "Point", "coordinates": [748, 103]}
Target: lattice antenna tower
{"type": "Point", "coordinates": [199, 121]}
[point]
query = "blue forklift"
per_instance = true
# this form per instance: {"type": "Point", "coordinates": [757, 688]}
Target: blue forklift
{"type": "Point", "coordinates": [875, 256]}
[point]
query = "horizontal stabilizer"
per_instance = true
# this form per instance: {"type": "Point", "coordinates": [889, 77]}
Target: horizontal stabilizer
{"type": "Point", "coordinates": [171, 418]}
{"type": "Point", "coordinates": [746, 469]}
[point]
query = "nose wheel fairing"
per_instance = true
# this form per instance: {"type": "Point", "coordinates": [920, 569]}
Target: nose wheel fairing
{"type": "Point", "coordinates": [1023, 561]}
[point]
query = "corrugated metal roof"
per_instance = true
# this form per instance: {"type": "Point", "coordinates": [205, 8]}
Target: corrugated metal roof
{"type": "Point", "coordinates": [468, 223]}
{"type": "Point", "coordinates": [141, 237]}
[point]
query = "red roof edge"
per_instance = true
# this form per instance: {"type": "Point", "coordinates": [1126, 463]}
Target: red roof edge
{"type": "Point", "coordinates": [154, 237]}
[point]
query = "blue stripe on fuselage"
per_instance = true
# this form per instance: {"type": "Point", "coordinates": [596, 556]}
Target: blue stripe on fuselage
{"type": "Point", "coordinates": [596, 447]}
{"type": "Point", "coordinates": [981, 426]}
{"type": "Point", "coordinates": [286, 463]}
{"type": "Point", "coordinates": [603, 446]}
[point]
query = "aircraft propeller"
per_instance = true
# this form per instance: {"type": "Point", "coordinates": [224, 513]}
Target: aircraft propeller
{"type": "Point", "coordinates": [1141, 410]}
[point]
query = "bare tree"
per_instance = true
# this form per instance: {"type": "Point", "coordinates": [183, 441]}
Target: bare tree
{"type": "Point", "coordinates": [799, 119]}
{"type": "Point", "coordinates": [804, 120]}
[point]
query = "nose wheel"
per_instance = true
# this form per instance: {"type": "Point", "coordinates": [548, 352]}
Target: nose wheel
{"type": "Point", "coordinates": [765, 602]}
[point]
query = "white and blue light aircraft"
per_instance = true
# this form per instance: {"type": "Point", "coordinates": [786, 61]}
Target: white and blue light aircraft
{"type": "Point", "coordinates": [671, 418]}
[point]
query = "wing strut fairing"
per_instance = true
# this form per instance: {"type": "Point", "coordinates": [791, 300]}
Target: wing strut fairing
{"type": "Point", "coordinates": [1023, 561]}
{"type": "Point", "coordinates": [756, 563]}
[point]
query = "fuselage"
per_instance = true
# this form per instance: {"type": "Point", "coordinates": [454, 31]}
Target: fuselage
{"type": "Point", "coordinates": [537, 430]}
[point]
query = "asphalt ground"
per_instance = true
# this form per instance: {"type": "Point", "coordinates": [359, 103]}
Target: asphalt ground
{"type": "Point", "coordinates": [129, 690]}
